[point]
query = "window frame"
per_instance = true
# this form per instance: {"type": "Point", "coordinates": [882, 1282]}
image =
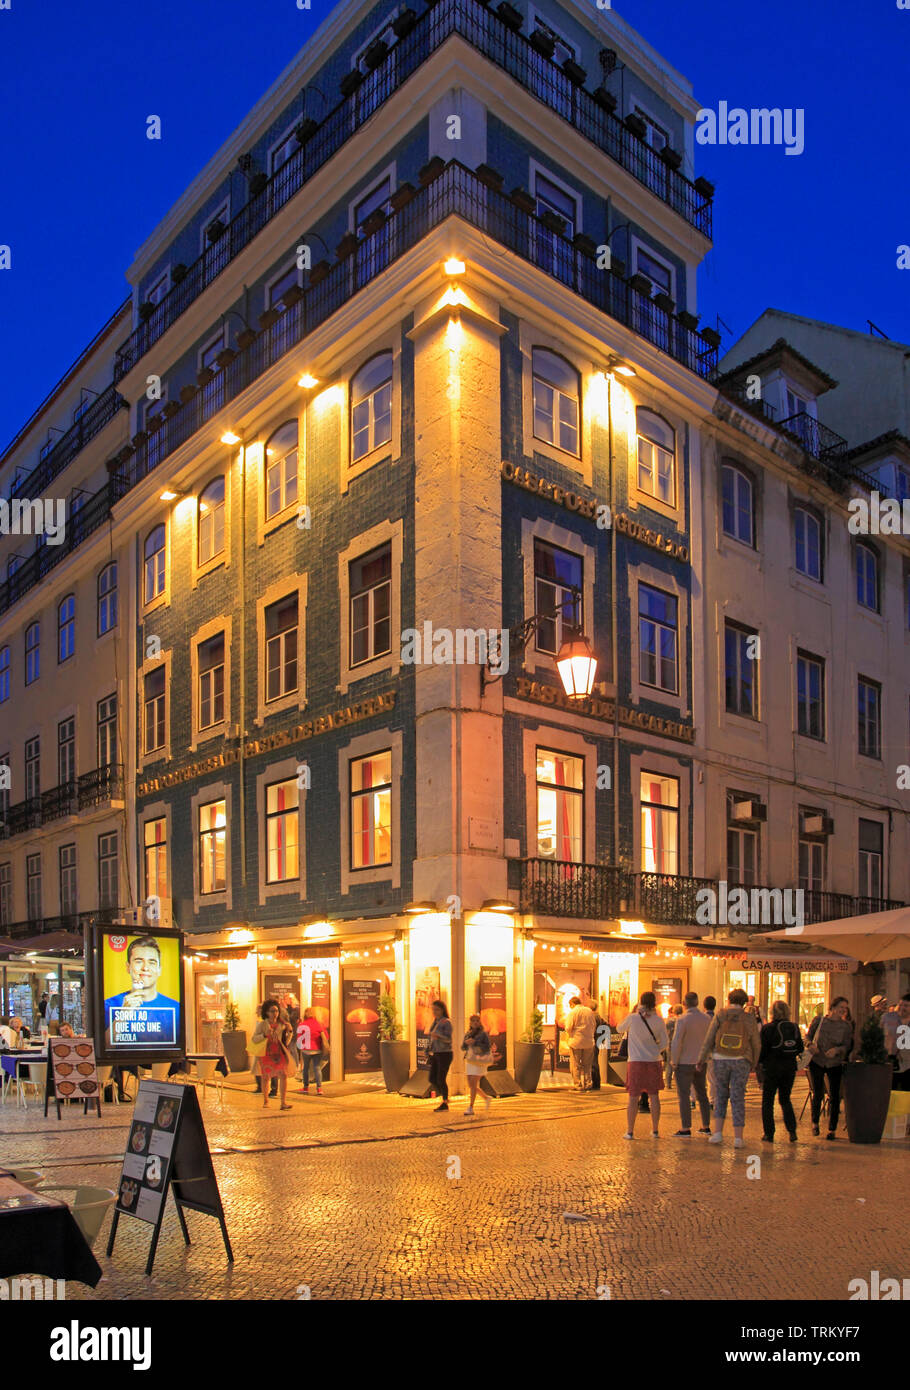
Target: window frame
{"type": "Point", "coordinates": [6, 673]}
{"type": "Point", "coordinates": [810, 660]}
{"type": "Point", "coordinates": [32, 671]}
{"type": "Point", "coordinates": [160, 595]}
{"type": "Point", "coordinates": [569, 791]}
{"type": "Point", "coordinates": [559, 396]}
{"type": "Point", "coordinates": [673, 503]}
{"type": "Point", "coordinates": [864, 719]}
{"type": "Point", "coordinates": [68, 879]}
{"type": "Point", "coordinates": [743, 662]}
{"type": "Point", "coordinates": [810, 515]}
{"type": "Point", "coordinates": [356, 797]}
{"type": "Point", "coordinates": [107, 600]}
{"type": "Point", "coordinates": [874, 558]}
{"type": "Point", "coordinates": [285, 507]}
{"type": "Point", "coordinates": [157, 845]}
{"type": "Point", "coordinates": [739, 475]}
{"type": "Point", "coordinates": [210, 518]}
{"type": "Point", "coordinates": [659, 626]}
{"type": "Point", "coordinates": [284, 813]}
{"type": "Point", "coordinates": [383, 447]}
{"type": "Point", "coordinates": [674, 810]}
{"type": "Point", "coordinates": [66, 629]}
{"type": "Point", "coordinates": [370, 592]}
{"type": "Point", "coordinates": [202, 836]}
{"type": "Point", "coordinates": [108, 869]}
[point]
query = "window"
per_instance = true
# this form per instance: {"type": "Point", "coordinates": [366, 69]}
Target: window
{"type": "Point", "coordinates": [812, 853]}
{"type": "Point", "coordinates": [655, 135]}
{"type": "Point", "coordinates": [211, 521]}
{"type": "Point", "coordinates": [159, 289]}
{"type": "Point", "coordinates": [32, 768]}
{"type": "Point", "coordinates": [867, 577]}
{"type": "Point", "coordinates": [810, 695]}
{"type": "Point", "coordinates": [66, 858]}
{"type": "Point", "coordinates": [33, 886]}
{"type": "Point", "coordinates": [375, 247]}
{"type": "Point", "coordinates": [213, 390]}
{"type": "Point", "coordinates": [107, 599]}
{"type": "Point", "coordinates": [808, 536]}
{"type": "Point", "coordinates": [550, 250]}
{"type": "Point", "coordinates": [281, 469]}
{"type": "Point", "coordinates": [371, 810]}
{"type": "Point", "coordinates": [32, 653]}
{"type": "Point", "coordinates": [738, 515]}
{"type": "Point", "coordinates": [660, 274]}
{"type": "Point", "coordinates": [212, 847]}
{"type": "Point", "coordinates": [903, 484]}
{"type": "Point", "coordinates": [4, 674]}
{"type": "Point", "coordinates": [280, 333]}
{"type": "Point", "coordinates": [740, 666]}
{"type": "Point", "coordinates": [211, 681]}
{"type": "Point", "coordinates": [282, 800]}
{"type": "Point", "coordinates": [871, 858]}
{"type": "Point", "coordinates": [66, 628]}
{"type": "Point", "coordinates": [656, 457]}
{"type": "Point", "coordinates": [556, 396]}
{"type": "Point", "coordinates": [869, 714]}
{"type": "Point", "coordinates": [154, 843]}
{"type": "Point", "coordinates": [107, 870]}
{"type": "Point", "coordinates": [557, 573]}
{"type": "Point", "coordinates": [66, 752]}
{"type": "Point", "coordinates": [281, 648]}
{"type": "Point", "coordinates": [283, 152]}
{"type": "Point", "coordinates": [376, 199]}
{"type": "Point", "coordinates": [657, 639]}
{"type": "Point", "coordinates": [216, 252]}
{"type": "Point", "coordinates": [154, 563]}
{"type": "Point", "coordinates": [560, 806]}
{"type": "Point", "coordinates": [742, 856]}
{"type": "Point", "coordinates": [371, 605]}
{"type": "Point", "coordinates": [563, 48]}
{"type": "Point", "coordinates": [154, 709]}
{"type": "Point", "coordinates": [659, 824]}
{"type": "Point", "coordinates": [371, 406]}
{"type": "Point", "coordinates": [107, 731]}
{"type": "Point", "coordinates": [6, 895]}
{"type": "Point", "coordinates": [4, 786]}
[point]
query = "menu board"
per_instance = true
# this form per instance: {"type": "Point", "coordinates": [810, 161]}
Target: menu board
{"type": "Point", "coordinates": [361, 1025]}
{"type": "Point", "coordinates": [73, 1072]}
{"type": "Point", "coordinates": [493, 1012]}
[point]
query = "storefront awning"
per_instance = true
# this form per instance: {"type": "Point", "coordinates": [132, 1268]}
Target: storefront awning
{"type": "Point", "coordinates": [786, 960]}
{"type": "Point", "coordinates": [634, 946]}
{"type": "Point", "coordinates": [712, 952]}
{"type": "Point", "coordinates": [221, 952]}
{"type": "Point", "coordinates": [331, 951]}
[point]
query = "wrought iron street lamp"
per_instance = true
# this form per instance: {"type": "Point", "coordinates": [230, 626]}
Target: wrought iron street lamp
{"type": "Point", "coordinates": [575, 660]}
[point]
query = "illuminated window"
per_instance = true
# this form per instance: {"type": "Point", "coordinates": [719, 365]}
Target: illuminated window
{"type": "Point", "coordinates": [282, 802]}
{"type": "Point", "coordinates": [154, 563]}
{"type": "Point", "coordinates": [212, 847]}
{"type": "Point", "coordinates": [154, 836]}
{"type": "Point", "coordinates": [557, 395]}
{"type": "Point", "coordinates": [281, 469]}
{"type": "Point", "coordinates": [371, 810]}
{"type": "Point", "coordinates": [656, 457]}
{"type": "Point", "coordinates": [371, 406]}
{"type": "Point", "coordinates": [560, 806]}
{"type": "Point", "coordinates": [211, 521]}
{"type": "Point", "coordinates": [659, 824]}
{"type": "Point", "coordinates": [154, 705]}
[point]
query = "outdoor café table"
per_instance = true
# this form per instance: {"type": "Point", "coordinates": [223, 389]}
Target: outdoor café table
{"type": "Point", "coordinates": [39, 1235]}
{"type": "Point", "coordinates": [10, 1062]}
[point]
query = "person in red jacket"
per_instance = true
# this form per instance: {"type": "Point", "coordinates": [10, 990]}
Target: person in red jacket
{"type": "Point", "coordinates": [312, 1043]}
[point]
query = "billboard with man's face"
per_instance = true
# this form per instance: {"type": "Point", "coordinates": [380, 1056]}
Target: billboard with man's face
{"type": "Point", "coordinates": [138, 1004]}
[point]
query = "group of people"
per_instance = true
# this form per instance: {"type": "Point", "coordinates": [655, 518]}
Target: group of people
{"type": "Point", "coordinates": [476, 1047]}
{"type": "Point", "coordinates": [277, 1048]}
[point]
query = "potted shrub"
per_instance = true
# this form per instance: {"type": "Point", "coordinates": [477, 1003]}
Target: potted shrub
{"type": "Point", "coordinates": [215, 230]}
{"type": "Point", "coordinates": [604, 99]}
{"type": "Point", "coordinates": [529, 1054]}
{"type": "Point", "coordinates": [403, 23]}
{"type": "Point", "coordinates": [672, 158]}
{"type": "Point", "coordinates": [319, 271]}
{"type": "Point", "coordinates": [225, 357]}
{"type": "Point", "coordinates": [489, 176]}
{"type": "Point", "coordinates": [375, 53]}
{"type": "Point", "coordinates": [245, 338]}
{"type": "Point", "coordinates": [258, 182]}
{"type": "Point", "coordinates": [350, 82]}
{"type": "Point", "coordinates": [523, 199]}
{"type": "Point", "coordinates": [618, 267]}
{"type": "Point", "coordinates": [402, 195]}
{"type": "Point", "coordinates": [170, 410]}
{"type": "Point", "coordinates": [375, 222]}
{"type": "Point", "coordinates": [346, 246]}
{"type": "Point", "coordinates": [266, 319]}
{"type": "Point", "coordinates": [188, 392]}
{"type": "Point", "coordinates": [867, 1086]}
{"type": "Point", "coordinates": [553, 223]}
{"type": "Point", "coordinates": [663, 301]}
{"type": "Point", "coordinates": [179, 273]}
{"type": "Point", "coordinates": [688, 320]}
{"type": "Point", "coordinates": [711, 337]}
{"type": "Point", "coordinates": [543, 42]}
{"type": "Point", "coordinates": [395, 1054]}
{"type": "Point", "coordinates": [636, 125]}
{"type": "Point", "coordinates": [233, 1039]}
{"type": "Point", "coordinates": [705, 187]}
{"type": "Point", "coordinates": [140, 438]}
{"type": "Point", "coordinates": [510, 17]}
{"type": "Point", "coordinates": [306, 130]}
{"type": "Point", "coordinates": [146, 309]}
{"type": "Point", "coordinates": [431, 170]}
{"type": "Point", "coordinates": [574, 72]}
{"type": "Point", "coordinates": [204, 376]}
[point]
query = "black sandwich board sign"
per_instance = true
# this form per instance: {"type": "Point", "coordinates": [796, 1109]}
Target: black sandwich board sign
{"type": "Point", "coordinates": [167, 1148]}
{"type": "Point", "coordinates": [72, 1074]}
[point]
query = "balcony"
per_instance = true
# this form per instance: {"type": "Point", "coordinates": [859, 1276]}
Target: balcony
{"type": "Point", "coordinates": [556, 888]}
{"type": "Point", "coordinates": [68, 922]}
{"type": "Point", "coordinates": [485, 31]}
{"type": "Point", "coordinates": [99, 787]}
{"type": "Point", "coordinates": [91, 422]}
{"type": "Point", "coordinates": [816, 439]}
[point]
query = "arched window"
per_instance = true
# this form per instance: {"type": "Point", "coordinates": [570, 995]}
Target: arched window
{"type": "Point", "coordinates": [557, 398]}
{"type": "Point", "coordinates": [738, 518]}
{"type": "Point", "coordinates": [656, 457]}
{"type": "Point", "coordinates": [4, 674]}
{"type": "Point", "coordinates": [211, 521]}
{"type": "Point", "coordinates": [807, 537]}
{"type": "Point", "coordinates": [107, 599]}
{"type": "Point", "coordinates": [66, 628]}
{"type": "Point", "coordinates": [371, 406]}
{"type": "Point", "coordinates": [154, 563]}
{"type": "Point", "coordinates": [281, 469]}
{"type": "Point", "coordinates": [867, 577]}
{"type": "Point", "coordinates": [32, 652]}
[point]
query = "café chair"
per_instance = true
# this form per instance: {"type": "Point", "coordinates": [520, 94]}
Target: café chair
{"type": "Point", "coordinates": [161, 1071]}
{"type": "Point", "coordinates": [36, 1078]}
{"type": "Point", "coordinates": [89, 1206]}
{"type": "Point", "coordinates": [105, 1079]}
{"type": "Point", "coordinates": [205, 1072]}
{"type": "Point", "coordinates": [28, 1177]}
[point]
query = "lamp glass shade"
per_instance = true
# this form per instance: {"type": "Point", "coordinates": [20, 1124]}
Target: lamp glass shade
{"type": "Point", "coordinates": [577, 665]}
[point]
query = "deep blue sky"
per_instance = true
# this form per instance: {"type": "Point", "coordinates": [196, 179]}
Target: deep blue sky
{"type": "Point", "coordinates": [82, 186]}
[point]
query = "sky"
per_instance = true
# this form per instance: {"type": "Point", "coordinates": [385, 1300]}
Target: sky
{"type": "Point", "coordinates": [81, 187]}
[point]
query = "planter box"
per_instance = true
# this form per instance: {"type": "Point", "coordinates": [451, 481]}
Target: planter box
{"type": "Point", "coordinates": [306, 130]}
{"type": "Point", "coordinates": [510, 17]}
{"type": "Point", "coordinates": [663, 301]}
{"type": "Point", "coordinates": [257, 184]}
{"type": "Point", "coordinates": [266, 319]}
{"type": "Point", "coordinates": [375, 53]}
{"type": "Point", "coordinates": [403, 23]}
{"type": "Point", "coordinates": [489, 177]}
{"type": "Point", "coordinates": [319, 271]}
{"type": "Point", "coordinates": [553, 223]}
{"type": "Point", "coordinates": [587, 245]}
{"type": "Point", "coordinates": [867, 1095]}
{"type": "Point", "coordinates": [187, 393]}
{"type": "Point", "coordinates": [374, 223]}
{"type": "Point", "coordinates": [606, 100]}
{"type": "Point", "coordinates": [140, 438]}
{"type": "Point", "coordinates": [204, 376]}
{"type": "Point", "coordinates": [146, 309]}
{"type": "Point", "coordinates": [575, 72]}
{"type": "Point", "coordinates": [291, 297]}
{"type": "Point", "coordinates": [225, 357]}
{"type": "Point", "coordinates": [395, 1059]}
{"type": "Point", "coordinates": [542, 42]}
{"type": "Point", "coordinates": [402, 196]}
{"type": "Point", "coordinates": [636, 125]}
{"type": "Point", "coordinates": [245, 338]}
{"type": "Point", "coordinates": [234, 1045]}
{"type": "Point", "coordinates": [672, 158]}
{"type": "Point", "coordinates": [642, 284]}
{"type": "Point", "coordinates": [170, 410]}
{"type": "Point", "coordinates": [710, 336]}
{"type": "Point", "coordinates": [346, 246]}
{"type": "Point", "coordinates": [431, 170]}
{"type": "Point", "coordinates": [705, 187]}
{"type": "Point", "coordinates": [523, 199]}
{"type": "Point", "coordinates": [350, 82]}
{"type": "Point", "coordinates": [528, 1065]}
{"type": "Point", "coordinates": [216, 230]}
{"type": "Point", "coordinates": [126, 453]}
{"type": "Point", "coordinates": [153, 423]}
{"type": "Point", "coordinates": [688, 320]}
{"type": "Point", "coordinates": [179, 273]}
{"type": "Point", "coordinates": [618, 266]}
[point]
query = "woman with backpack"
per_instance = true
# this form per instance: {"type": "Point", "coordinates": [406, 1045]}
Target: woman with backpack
{"type": "Point", "coordinates": [830, 1047]}
{"type": "Point", "coordinates": [781, 1048]}
{"type": "Point", "coordinates": [732, 1042]}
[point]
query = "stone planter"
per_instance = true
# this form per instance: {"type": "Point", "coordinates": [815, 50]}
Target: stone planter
{"type": "Point", "coordinates": [528, 1065]}
{"type": "Point", "coordinates": [146, 309]}
{"type": "Point", "coordinates": [710, 336]}
{"type": "Point", "coordinates": [587, 245]}
{"type": "Point", "coordinates": [606, 100]}
{"type": "Point", "coordinates": [216, 230]}
{"type": "Point", "coordinates": [140, 438]}
{"type": "Point", "coordinates": [705, 187]}
{"type": "Point", "coordinates": [553, 223]}
{"type": "Point", "coordinates": [234, 1045]}
{"type": "Point", "coordinates": [375, 53]}
{"type": "Point", "coordinates": [403, 23]}
{"type": "Point", "coordinates": [204, 376]}
{"type": "Point", "coordinates": [688, 320]}
{"type": "Point", "coordinates": [395, 1060]}
{"type": "Point", "coordinates": [543, 43]}
{"type": "Point", "coordinates": [867, 1094]}
{"type": "Point", "coordinates": [523, 199]}
{"type": "Point", "coordinates": [642, 284]}
{"type": "Point", "coordinates": [663, 301]}
{"type": "Point", "coordinates": [306, 130]}
{"type": "Point", "coordinates": [245, 338]}
{"type": "Point", "coordinates": [319, 271]}
{"type": "Point", "coordinates": [291, 297]}
{"type": "Point", "coordinates": [510, 17]}
{"type": "Point", "coordinates": [374, 223]}
{"type": "Point", "coordinates": [266, 319]}
{"type": "Point", "coordinates": [187, 393]}
{"type": "Point", "coordinates": [489, 177]}
{"type": "Point", "coordinates": [257, 184]}
{"type": "Point", "coordinates": [171, 409]}
{"type": "Point", "coordinates": [672, 158]}
{"type": "Point", "coordinates": [618, 266]}
{"type": "Point", "coordinates": [575, 72]}
{"type": "Point", "coordinates": [179, 273]}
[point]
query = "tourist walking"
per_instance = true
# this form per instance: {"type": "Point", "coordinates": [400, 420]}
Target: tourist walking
{"type": "Point", "coordinates": [276, 1061]}
{"type": "Point", "coordinates": [579, 1028]}
{"type": "Point", "coordinates": [732, 1042]}
{"type": "Point", "coordinates": [709, 1004]}
{"type": "Point", "coordinates": [478, 1056]}
{"type": "Point", "coordinates": [674, 1014]}
{"type": "Point", "coordinates": [685, 1047]}
{"type": "Point", "coordinates": [830, 1047]}
{"type": "Point", "coordinates": [647, 1034]}
{"type": "Point", "coordinates": [313, 1046]}
{"type": "Point", "coordinates": [781, 1048]}
{"type": "Point", "coordinates": [440, 1050]}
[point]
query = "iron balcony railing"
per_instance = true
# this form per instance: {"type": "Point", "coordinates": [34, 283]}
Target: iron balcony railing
{"type": "Point", "coordinates": [95, 788]}
{"type": "Point", "coordinates": [558, 888]}
{"type": "Point", "coordinates": [511, 52]}
{"type": "Point", "coordinates": [816, 439]}
{"type": "Point", "coordinates": [91, 422]}
{"type": "Point", "coordinates": [67, 921]}
{"type": "Point", "coordinates": [737, 392]}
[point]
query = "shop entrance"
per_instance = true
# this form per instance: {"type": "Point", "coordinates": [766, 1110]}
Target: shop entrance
{"type": "Point", "coordinates": [553, 988]}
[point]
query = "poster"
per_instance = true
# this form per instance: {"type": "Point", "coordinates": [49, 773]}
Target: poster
{"type": "Point", "coordinates": [668, 991]}
{"type": "Point", "coordinates": [426, 990]}
{"type": "Point", "coordinates": [75, 1072]}
{"type": "Point", "coordinates": [361, 1025]}
{"type": "Point", "coordinates": [149, 1150]}
{"type": "Point", "coordinates": [286, 989]}
{"type": "Point", "coordinates": [141, 983]}
{"type": "Point", "coordinates": [321, 1004]}
{"type": "Point", "coordinates": [493, 1011]}
{"type": "Point", "coordinates": [619, 997]}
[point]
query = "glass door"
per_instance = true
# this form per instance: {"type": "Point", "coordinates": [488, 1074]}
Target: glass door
{"type": "Point", "coordinates": [778, 987]}
{"type": "Point", "coordinates": [812, 993]}
{"type": "Point", "coordinates": [211, 1000]}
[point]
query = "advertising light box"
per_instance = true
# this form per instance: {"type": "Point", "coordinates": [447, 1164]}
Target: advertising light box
{"type": "Point", "coordinates": [137, 994]}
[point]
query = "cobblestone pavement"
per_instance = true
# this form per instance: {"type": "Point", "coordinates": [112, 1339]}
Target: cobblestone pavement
{"type": "Point", "coordinates": [358, 1196]}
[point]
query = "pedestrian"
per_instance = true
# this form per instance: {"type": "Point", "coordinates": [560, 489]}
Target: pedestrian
{"type": "Point", "coordinates": [896, 1034]}
{"type": "Point", "coordinates": [879, 1005]}
{"type": "Point", "coordinates": [647, 1034]}
{"type": "Point", "coordinates": [601, 1033]}
{"type": "Point", "coordinates": [831, 1045]}
{"type": "Point", "coordinates": [478, 1056]}
{"type": "Point", "coordinates": [276, 1061]}
{"type": "Point", "coordinates": [753, 1009]}
{"type": "Point", "coordinates": [312, 1044]}
{"type": "Point", "coordinates": [580, 1037]}
{"type": "Point", "coordinates": [440, 1053]}
{"type": "Point", "coordinates": [732, 1042]}
{"type": "Point", "coordinates": [710, 1005]}
{"type": "Point", "coordinates": [685, 1046]}
{"type": "Point", "coordinates": [781, 1048]}
{"type": "Point", "coordinates": [42, 1005]}
{"type": "Point", "coordinates": [673, 1016]}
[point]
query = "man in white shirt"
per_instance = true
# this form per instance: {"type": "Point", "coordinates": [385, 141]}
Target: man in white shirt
{"type": "Point", "coordinates": [580, 1037]}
